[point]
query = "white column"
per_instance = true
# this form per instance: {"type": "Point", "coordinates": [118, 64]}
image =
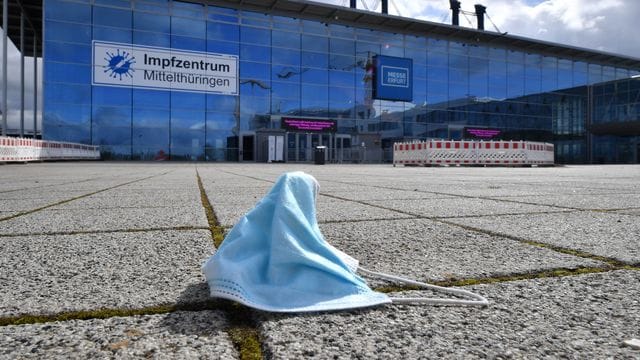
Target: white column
{"type": "Point", "coordinates": [21, 74]}
{"type": "Point", "coordinates": [5, 27]}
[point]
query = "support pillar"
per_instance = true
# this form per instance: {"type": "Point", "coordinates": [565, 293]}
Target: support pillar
{"type": "Point", "coordinates": [35, 84]}
{"type": "Point", "coordinates": [5, 27]}
{"type": "Point", "coordinates": [21, 74]}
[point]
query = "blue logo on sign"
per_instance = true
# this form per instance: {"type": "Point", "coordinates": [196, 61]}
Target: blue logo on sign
{"type": "Point", "coordinates": [119, 64]}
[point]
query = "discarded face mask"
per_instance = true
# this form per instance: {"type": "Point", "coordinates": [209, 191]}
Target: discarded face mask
{"type": "Point", "coordinates": [276, 259]}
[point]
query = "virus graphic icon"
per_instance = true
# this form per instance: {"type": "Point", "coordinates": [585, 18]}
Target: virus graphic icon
{"type": "Point", "coordinates": [119, 64]}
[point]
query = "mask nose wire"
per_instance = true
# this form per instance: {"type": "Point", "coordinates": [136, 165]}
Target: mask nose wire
{"type": "Point", "coordinates": [479, 300]}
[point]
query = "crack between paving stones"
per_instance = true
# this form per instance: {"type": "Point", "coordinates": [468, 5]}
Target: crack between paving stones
{"type": "Point", "coordinates": [22, 213]}
{"type": "Point", "coordinates": [244, 329]}
{"type": "Point", "coordinates": [543, 274]}
{"type": "Point", "coordinates": [80, 232]}
{"type": "Point", "coordinates": [50, 185]}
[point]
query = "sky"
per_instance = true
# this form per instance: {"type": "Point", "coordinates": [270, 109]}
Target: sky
{"type": "Point", "coordinates": [604, 25]}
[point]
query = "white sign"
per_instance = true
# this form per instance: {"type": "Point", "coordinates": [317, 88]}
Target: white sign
{"type": "Point", "coordinates": [127, 65]}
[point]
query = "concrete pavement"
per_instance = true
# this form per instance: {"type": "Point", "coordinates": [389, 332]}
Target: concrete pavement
{"type": "Point", "coordinates": [103, 260]}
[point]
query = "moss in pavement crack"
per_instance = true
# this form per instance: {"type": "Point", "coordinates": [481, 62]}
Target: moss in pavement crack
{"type": "Point", "coordinates": [217, 231]}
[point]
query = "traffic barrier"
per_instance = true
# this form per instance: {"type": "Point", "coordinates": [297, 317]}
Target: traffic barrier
{"type": "Point", "coordinates": [24, 150]}
{"type": "Point", "coordinates": [450, 152]}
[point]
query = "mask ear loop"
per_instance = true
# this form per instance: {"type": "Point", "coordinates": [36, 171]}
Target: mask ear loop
{"type": "Point", "coordinates": [479, 300]}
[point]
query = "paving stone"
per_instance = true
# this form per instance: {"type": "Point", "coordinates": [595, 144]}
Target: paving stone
{"type": "Point", "coordinates": [48, 196]}
{"type": "Point", "coordinates": [137, 199]}
{"type": "Point", "coordinates": [606, 234]}
{"type": "Point", "coordinates": [585, 201]}
{"type": "Point", "coordinates": [52, 274]}
{"type": "Point", "coordinates": [430, 251]}
{"type": "Point", "coordinates": [377, 194]}
{"type": "Point", "coordinates": [72, 220]}
{"type": "Point", "coordinates": [635, 212]}
{"type": "Point", "coordinates": [456, 207]}
{"type": "Point", "coordinates": [328, 209]}
{"type": "Point", "coordinates": [178, 335]}
{"type": "Point", "coordinates": [586, 316]}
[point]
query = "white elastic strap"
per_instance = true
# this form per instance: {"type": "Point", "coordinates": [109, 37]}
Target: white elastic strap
{"type": "Point", "coordinates": [479, 300]}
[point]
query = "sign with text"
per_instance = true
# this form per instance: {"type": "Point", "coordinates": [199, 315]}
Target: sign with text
{"type": "Point", "coordinates": [147, 67]}
{"type": "Point", "coordinates": [393, 78]}
{"type": "Point", "coordinates": [481, 133]}
{"type": "Point", "coordinates": [309, 125]}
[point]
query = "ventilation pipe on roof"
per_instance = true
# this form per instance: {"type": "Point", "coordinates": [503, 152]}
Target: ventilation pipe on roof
{"type": "Point", "coordinates": [385, 6]}
{"type": "Point", "coordinates": [480, 11]}
{"type": "Point", "coordinates": [455, 12]}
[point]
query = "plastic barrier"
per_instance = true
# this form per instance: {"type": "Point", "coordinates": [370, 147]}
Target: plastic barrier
{"type": "Point", "coordinates": [449, 152]}
{"type": "Point", "coordinates": [23, 150]}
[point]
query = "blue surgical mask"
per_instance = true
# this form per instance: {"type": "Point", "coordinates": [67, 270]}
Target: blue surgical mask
{"type": "Point", "coordinates": [276, 259]}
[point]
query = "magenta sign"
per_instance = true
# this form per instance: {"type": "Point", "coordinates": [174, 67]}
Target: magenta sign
{"type": "Point", "coordinates": [481, 133]}
{"type": "Point", "coordinates": [308, 125]}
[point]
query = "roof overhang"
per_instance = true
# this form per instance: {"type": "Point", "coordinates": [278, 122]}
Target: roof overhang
{"type": "Point", "coordinates": [32, 10]}
{"type": "Point", "coordinates": [360, 18]}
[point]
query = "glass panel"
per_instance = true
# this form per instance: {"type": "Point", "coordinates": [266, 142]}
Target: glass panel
{"type": "Point", "coordinates": [286, 56]}
{"type": "Point", "coordinates": [314, 76]}
{"type": "Point", "coordinates": [187, 134]}
{"type": "Point", "coordinates": [316, 60]}
{"type": "Point", "coordinates": [220, 31]}
{"type": "Point", "coordinates": [151, 39]}
{"type": "Point", "coordinates": [68, 32]}
{"type": "Point", "coordinates": [250, 35]}
{"type": "Point", "coordinates": [341, 78]}
{"type": "Point", "coordinates": [285, 89]}
{"type": "Point", "coordinates": [251, 70]}
{"type": "Point", "coordinates": [222, 103]}
{"type": "Point", "coordinates": [188, 43]}
{"type": "Point", "coordinates": [68, 73]}
{"type": "Point", "coordinates": [223, 47]}
{"type": "Point", "coordinates": [342, 46]}
{"type": "Point", "coordinates": [255, 53]}
{"type": "Point", "coordinates": [188, 27]}
{"type": "Point", "coordinates": [111, 34]}
{"type": "Point", "coordinates": [61, 115]}
{"type": "Point", "coordinates": [315, 43]}
{"type": "Point", "coordinates": [118, 3]}
{"type": "Point", "coordinates": [111, 17]}
{"type": "Point", "coordinates": [314, 27]}
{"type": "Point", "coordinates": [285, 39]}
{"type": "Point", "coordinates": [156, 23]}
{"type": "Point", "coordinates": [188, 9]}
{"type": "Point", "coordinates": [69, 94]}
{"type": "Point", "coordinates": [188, 100]}
{"type": "Point", "coordinates": [65, 11]}
{"type": "Point", "coordinates": [151, 99]}
{"type": "Point", "coordinates": [104, 95]}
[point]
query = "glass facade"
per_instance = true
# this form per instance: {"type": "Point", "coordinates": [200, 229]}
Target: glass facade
{"type": "Point", "coordinates": [291, 67]}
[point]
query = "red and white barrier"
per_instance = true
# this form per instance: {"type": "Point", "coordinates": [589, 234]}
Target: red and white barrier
{"type": "Point", "coordinates": [449, 152]}
{"type": "Point", "coordinates": [23, 150]}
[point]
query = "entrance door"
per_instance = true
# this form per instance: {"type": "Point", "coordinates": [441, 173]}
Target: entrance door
{"type": "Point", "coordinates": [248, 147]}
{"type": "Point", "coordinates": [342, 148]}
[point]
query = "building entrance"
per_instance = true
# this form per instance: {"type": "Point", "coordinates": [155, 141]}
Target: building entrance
{"type": "Point", "coordinates": [300, 146]}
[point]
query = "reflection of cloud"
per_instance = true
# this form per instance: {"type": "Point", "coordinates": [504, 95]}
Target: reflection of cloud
{"type": "Point", "coordinates": [13, 93]}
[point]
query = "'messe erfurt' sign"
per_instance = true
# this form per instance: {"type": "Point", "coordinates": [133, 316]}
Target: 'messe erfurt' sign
{"type": "Point", "coordinates": [392, 78]}
{"type": "Point", "coordinates": [127, 65]}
